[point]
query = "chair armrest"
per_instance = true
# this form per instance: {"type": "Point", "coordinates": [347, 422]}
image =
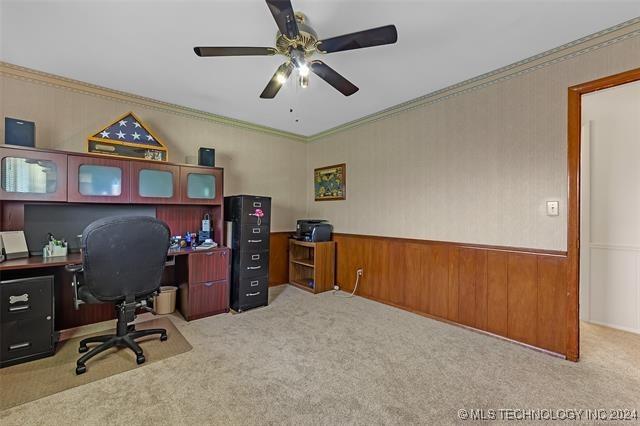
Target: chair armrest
{"type": "Point", "coordinates": [74, 268]}
{"type": "Point", "coordinates": [75, 283]}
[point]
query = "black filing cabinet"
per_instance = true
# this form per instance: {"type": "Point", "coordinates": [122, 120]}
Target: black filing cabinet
{"type": "Point", "coordinates": [248, 218]}
{"type": "Point", "coordinates": [26, 320]}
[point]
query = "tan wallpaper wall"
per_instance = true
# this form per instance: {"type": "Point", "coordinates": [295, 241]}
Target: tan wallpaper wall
{"type": "Point", "coordinates": [475, 168]}
{"type": "Point", "coordinates": [255, 163]}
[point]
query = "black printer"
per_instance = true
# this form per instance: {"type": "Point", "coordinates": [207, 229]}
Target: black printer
{"type": "Point", "coordinates": [314, 230]}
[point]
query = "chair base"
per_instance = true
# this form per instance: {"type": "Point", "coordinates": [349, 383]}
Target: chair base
{"type": "Point", "coordinates": [113, 340]}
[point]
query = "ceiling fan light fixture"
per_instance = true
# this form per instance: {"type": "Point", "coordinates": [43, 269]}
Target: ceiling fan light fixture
{"type": "Point", "coordinates": [298, 42]}
{"type": "Point", "coordinates": [303, 70]}
{"type": "Point", "coordinates": [281, 78]}
{"type": "Point", "coordinates": [304, 81]}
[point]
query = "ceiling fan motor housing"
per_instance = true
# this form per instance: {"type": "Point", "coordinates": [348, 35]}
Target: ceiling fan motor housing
{"type": "Point", "coordinates": [306, 41]}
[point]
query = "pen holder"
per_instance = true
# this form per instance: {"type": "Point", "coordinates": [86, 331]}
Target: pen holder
{"type": "Point", "coordinates": [51, 250]}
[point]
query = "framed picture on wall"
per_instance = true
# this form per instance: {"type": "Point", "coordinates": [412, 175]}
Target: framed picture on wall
{"type": "Point", "coordinates": [330, 183]}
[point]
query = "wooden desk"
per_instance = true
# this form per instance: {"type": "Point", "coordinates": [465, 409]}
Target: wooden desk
{"type": "Point", "coordinates": [201, 275]}
{"type": "Point", "coordinates": [34, 262]}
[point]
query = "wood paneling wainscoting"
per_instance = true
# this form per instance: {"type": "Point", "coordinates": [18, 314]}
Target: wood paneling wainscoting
{"type": "Point", "coordinates": [518, 294]}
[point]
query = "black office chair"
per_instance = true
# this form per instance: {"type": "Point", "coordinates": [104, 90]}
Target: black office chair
{"type": "Point", "coordinates": [123, 260]}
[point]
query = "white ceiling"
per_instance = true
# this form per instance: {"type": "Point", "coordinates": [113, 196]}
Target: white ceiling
{"type": "Point", "coordinates": [145, 47]}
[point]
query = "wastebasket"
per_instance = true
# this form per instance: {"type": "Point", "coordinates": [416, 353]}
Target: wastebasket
{"type": "Point", "coordinates": [165, 302]}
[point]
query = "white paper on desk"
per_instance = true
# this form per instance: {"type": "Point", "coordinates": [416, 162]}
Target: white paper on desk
{"type": "Point", "coordinates": [15, 245]}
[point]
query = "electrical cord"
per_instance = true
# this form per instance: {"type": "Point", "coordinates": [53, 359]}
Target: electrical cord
{"type": "Point", "coordinates": [346, 296]}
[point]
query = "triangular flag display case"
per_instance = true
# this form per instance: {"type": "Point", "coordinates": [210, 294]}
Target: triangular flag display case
{"type": "Point", "coordinates": [127, 136]}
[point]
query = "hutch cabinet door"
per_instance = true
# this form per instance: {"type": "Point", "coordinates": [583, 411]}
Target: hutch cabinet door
{"type": "Point", "coordinates": [32, 175]}
{"type": "Point", "coordinates": [201, 185]}
{"type": "Point", "coordinates": [98, 180]}
{"type": "Point", "coordinates": [153, 183]}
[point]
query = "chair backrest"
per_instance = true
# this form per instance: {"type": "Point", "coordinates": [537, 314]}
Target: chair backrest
{"type": "Point", "coordinates": [123, 257]}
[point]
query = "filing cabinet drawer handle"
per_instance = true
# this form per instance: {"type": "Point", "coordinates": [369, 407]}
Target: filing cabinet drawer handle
{"type": "Point", "coordinates": [21, 298]}
{"type": "Point", "coordinates": [254, 267]}
{"type": "Point", "coordinates": [257, 204]}
{"type": "Point", "coordinates": [255, 230]}
{"type": "Point", "coordinates": [209, 254]}
{"type": "Point", "coordinates": [253, 294]}
{"type": "Point", "coordinates": [254, 241]}
{"type": "Point", "coordinates": [255, 283]}
{"type": "Point", "coordinates": [19, 308]}
{"type": "Point", "coordinates": [19, 346]}
{"type": "Point", "coordinates": [209, 284]}
{"type": "Point", "coordinates": [255, 257]}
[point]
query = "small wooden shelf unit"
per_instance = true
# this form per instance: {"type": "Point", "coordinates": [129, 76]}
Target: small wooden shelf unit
{"type": "Point", "coordinates": [312, 265]}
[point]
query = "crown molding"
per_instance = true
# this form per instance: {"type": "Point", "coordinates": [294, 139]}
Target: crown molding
{"type": "Point", "coordinates": [567, 51]}
{"type": "Point", "coordinates": [40, 77]}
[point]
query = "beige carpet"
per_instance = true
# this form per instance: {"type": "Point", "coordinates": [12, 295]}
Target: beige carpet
{"type": "Point", "coordinates": [320, 359]}
{"type": "Point", "coordinates": [30, 381]}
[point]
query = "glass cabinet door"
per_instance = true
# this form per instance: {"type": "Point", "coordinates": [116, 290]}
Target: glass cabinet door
{"type": "Point", "coordinates": [28, 176]}
{"type": "Point", "coordinates": [153, 183]}
{"type": "Point", "coordinates": [98, 180]}
{"type": "Point", "coordinates": [32, 175]}
{"type": "Point", "coordinates": [201, 185]}
{"type": "Point", "coordinates": [105, 181]}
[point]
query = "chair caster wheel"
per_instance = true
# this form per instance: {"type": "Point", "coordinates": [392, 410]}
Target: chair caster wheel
{"type": "Point", "coordinates": [140, 359]}
{"type": "Point", "coordinates": [83, 349]}
{"type": "Point", "coordinates": [81, 369]}
{"type": "Point", "coordinates": [163, 337]}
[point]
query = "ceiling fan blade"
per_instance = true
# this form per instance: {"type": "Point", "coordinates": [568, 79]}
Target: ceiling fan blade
{"type": "Point", "coordinates": [358, 40]}
{"type": "Point", "coordinates": [329, 75]}
{"type": "Point", "coordinates": [234, 51]}
{"type": "Point", "coordinates": [279, 78]}
{"type": "Point", "coordinates": [282, 12]}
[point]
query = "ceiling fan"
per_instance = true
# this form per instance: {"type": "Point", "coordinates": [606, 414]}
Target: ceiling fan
{"type": "Point", "coordinates": [299, 42]}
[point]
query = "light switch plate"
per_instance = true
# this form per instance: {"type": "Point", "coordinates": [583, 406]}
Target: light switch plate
{"type": "Point", "coordinates": [553, 208]}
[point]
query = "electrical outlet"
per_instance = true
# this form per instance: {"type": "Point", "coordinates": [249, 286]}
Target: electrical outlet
{"type": "Point", "coordinates": [360, 271]}
{"type": "Point", "coordinates": [336, 287]}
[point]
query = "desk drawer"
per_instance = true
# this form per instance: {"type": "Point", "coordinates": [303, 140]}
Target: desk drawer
{"type": "Point", "coordinates": [208, 266]}
{"type": "Point", "coordinates": [26, 298]}
{"type": "Point", "coordinates": [202, 299]}
{"type": "Point", "coordinates": [26, 338]}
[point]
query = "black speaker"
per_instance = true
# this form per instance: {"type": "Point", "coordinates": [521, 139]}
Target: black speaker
{"type": "Point", "coordinates": [207, 157]}
{"type": "Point", "coordinates": [19, 132]}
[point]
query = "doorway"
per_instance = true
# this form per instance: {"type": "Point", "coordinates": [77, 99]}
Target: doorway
{"type": "Point", "coordinates": [575, 135]}
{"type": "Point", "coordinates": [610, 208]}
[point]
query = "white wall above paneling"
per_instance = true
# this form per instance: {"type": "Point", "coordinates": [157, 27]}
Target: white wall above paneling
{"type": "Point", "coordinates": [254, 163]}
{"type": "Point", "coordinates": [610, 240]}
{"type": "Point", "coordinates": [476, 168]}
